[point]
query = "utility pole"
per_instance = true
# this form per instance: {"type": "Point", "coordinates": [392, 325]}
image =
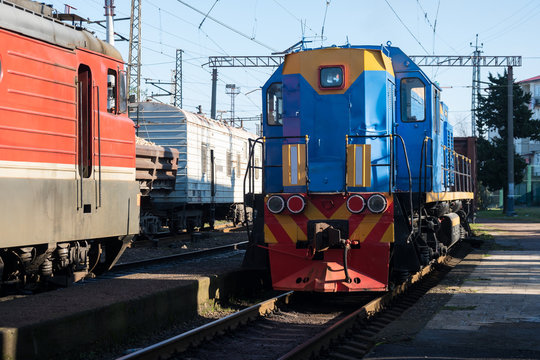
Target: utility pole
{"type": "Point", "coordinates": [237, 61]}
{"type": "Point", "coordinates": [214, 87]}
{"type": "Point", "coordinates": [134, 75]}
{"type": "Point", "coordinates": [109, 14]}
{"type": "Point", "coordinates": [178, 79]}
{"type": "Point", "coordinates": [475, 84]}
{"type": "Point", "coordinates": [232, 90]}
{"type": "Point", "coordinates": [510, 143]}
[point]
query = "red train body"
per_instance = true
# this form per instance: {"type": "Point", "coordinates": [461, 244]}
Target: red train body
{"type": "Point", "coordinates": [69, 199]}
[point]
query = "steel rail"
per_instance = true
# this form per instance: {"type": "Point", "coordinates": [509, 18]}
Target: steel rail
{"type": "Point", "coordinates": [323, 340]}
{"type": "Point", "coordinates": [185, 255]}
{"type": "Point", "coordinates": [182, 342]}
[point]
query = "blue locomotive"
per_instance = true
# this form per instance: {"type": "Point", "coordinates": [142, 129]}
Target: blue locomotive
{"type": "Point", "coordinates": [362, 186]}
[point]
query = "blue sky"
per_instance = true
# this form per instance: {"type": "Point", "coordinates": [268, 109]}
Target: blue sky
{"type": "Point", "coordinates": [445, 27]}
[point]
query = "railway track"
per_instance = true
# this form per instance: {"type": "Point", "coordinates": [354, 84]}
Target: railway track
{"type": "Point", "coordinates": [353, 336]}
{"type": "Point", "coordinates": [260, 332]}
{"type": "Point", "coordinates": [274, 329]}
{"type": "Point", "coordinates": [180, 256]}
{"type": "Point", "coordinates": [157, 262]}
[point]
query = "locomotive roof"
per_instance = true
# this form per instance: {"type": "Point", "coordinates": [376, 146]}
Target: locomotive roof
{"type": "Point", "coordinates": [35, 20]}
{"type": "Point", "coordinates": [400, 61]}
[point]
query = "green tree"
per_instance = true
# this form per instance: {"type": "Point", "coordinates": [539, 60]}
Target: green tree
{"type": "Point", "coordinates": [492, 119]}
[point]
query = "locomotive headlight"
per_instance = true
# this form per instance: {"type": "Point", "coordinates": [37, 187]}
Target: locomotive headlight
{"type": "Point", "coordinates": [376, 203]}
{"type": "Point", "coordinates": [275, 204]}
{"type": "Point", "coordinates": [356, 204]}
{"type": "Point", "coordinates": [296, 204]}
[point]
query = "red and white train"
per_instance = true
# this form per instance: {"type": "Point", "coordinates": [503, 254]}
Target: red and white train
{"type": "Point", "coordinates": [69, 202]}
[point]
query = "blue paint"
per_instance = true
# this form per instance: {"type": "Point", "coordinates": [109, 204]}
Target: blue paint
{"type": "Point", "coordinates": [369, 110]}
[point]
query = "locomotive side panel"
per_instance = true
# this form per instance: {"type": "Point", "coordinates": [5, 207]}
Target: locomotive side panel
{"type": "Point", "coordinates": [40, 137]}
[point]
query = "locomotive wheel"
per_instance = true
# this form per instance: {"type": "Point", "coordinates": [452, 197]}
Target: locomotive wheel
{"type": "Point", "coordinates": [400, 276]}
{"type": "Point", "coordinates": [13, 273]}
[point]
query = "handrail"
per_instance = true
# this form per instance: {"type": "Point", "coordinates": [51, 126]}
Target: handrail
{"type": "Point", "coordinates": [99, 143]}
{"type": "Point", "coordinates": [250, 175]}
{"type": "Point", "coordinates": [457, 171]}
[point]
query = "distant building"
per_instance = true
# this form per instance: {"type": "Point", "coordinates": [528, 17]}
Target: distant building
{"type": "Point", "coordinates": [529, 149]}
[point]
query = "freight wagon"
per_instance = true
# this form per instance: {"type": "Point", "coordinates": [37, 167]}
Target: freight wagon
{"type": "Point", "coordinates": [211, 168]}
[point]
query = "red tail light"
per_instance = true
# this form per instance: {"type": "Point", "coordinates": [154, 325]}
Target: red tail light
{"type": "Point", "coordinates": [356, 204]}
{"type": "Point", "coordinates": [296, 204]}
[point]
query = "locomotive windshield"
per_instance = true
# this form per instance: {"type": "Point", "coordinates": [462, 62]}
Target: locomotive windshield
{"type": "Point", "coordinates": [122, 103]}
{"type": "Point", "coordinates": [274, 105]}
{"type": "Point", "coordinates": [413, 97]}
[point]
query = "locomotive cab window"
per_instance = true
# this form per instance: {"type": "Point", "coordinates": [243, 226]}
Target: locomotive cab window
{"type": "Point", "coordinates": [274, 105]}
{"type": "Point", "coordinates": [111, 91]}
{"type": "Point", "coordinates": [122, 93]}
{"type": "Point", "coordinates": [331, 77]}
{"type": "Point", "coordinates": [413, 100]}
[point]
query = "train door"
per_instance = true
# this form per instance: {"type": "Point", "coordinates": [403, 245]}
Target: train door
{"type": "Point", "coordinates": [273, 127]}
{"type": "Point", "coordinates": [412, 125]}
{"type": "Point", "coordinates": [84, 134]}
{"type": "Point", "coordinates": [85, 122]}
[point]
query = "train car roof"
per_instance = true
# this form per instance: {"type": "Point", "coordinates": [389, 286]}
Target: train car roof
{"type": "Point", "coordinates": [158, 108]}
{"type": "Point", "coordinates": [35, 20]}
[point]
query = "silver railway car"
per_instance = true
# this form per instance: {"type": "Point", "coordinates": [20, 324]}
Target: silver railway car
{"type": "Point", "coordinates": [211, 167]}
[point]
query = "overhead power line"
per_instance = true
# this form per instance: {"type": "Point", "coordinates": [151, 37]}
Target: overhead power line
{"type": "Point", "coordinates": [227, 26]}
{"type": "Point", "coordinates": [402, 23]}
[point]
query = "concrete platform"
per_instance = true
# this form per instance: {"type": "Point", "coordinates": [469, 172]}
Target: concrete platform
{"type": "Point", "coordinates": [81, 317]}
{"type": "Point", "coordinates": [488, 307]}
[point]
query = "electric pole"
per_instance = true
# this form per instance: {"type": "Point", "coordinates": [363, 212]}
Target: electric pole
{"type": "Point", "coordinates": [134, 75]}
{"type": "Point", "coordinates": [510, 143]}
{"type": "Point", "coordinates": [475, 84]}
{"type": "Point", "coordinates": [214, 87]}
{"type": "Point", "coordinates": [231, 89]}
{"type": "Point", "coordinates": [178, 80]}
